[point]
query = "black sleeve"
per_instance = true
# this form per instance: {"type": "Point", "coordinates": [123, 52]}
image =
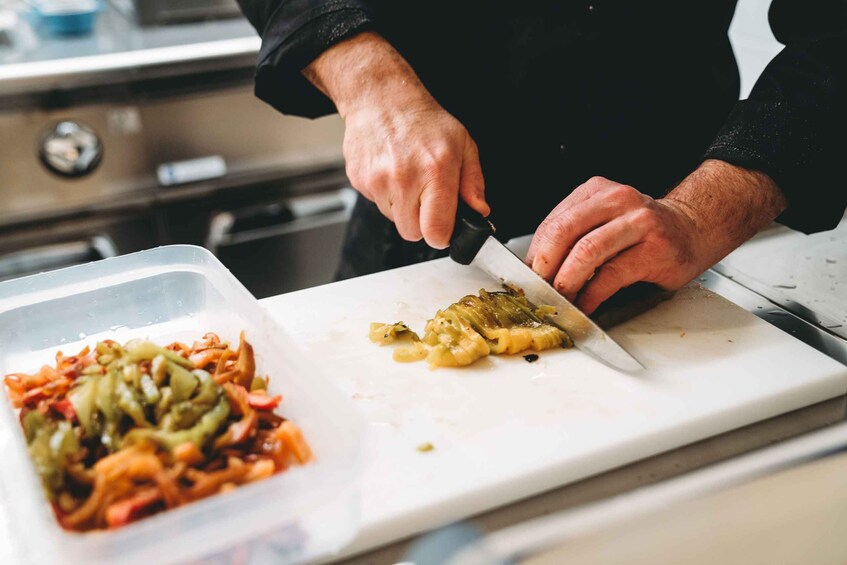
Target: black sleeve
{"type": "Point", "coordinates": [294, 33]}
{"type": "Point", "coordinates": [793, 125]}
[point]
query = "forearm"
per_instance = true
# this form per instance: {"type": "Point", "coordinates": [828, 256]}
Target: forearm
{"type": "Point", "coordinates": [364, 71]}
{"type": "Point", "coordinates": [727, 204]}
{"type": "Point", "coordinates": [295, 33]}
{"type": "Point", "coordinates": [791, 126]}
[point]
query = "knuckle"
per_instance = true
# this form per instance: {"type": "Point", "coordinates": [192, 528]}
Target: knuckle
{"type": "Point", "coordinates": [441, 152]}
{"type": "Point", "coordinates": [377, 176]}
{"type": "Point", "coordinates": [612, 271]}
{"type": "Point", "coordinates": [646, 217]}
{"type": "Point", "coordinates": [625, 193]}
{"type": "Point", "coordinates": [400, 174]}
{"type": "Point", "coordinates": [587, 251]}
{"type": "Point", "coordinates": [596, 181]}
{"type": "Point", "coordinates": [555, 228]}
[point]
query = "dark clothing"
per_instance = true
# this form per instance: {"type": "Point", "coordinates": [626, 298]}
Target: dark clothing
{"type": "Point", "coordinates": [554, 92]}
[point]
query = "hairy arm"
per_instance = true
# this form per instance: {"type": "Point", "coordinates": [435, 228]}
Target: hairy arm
{"type": "Point", "coordinates": [727, 204]}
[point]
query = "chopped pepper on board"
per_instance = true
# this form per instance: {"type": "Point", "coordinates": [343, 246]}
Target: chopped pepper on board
{"type": "Point", "coordinates": [492, 323]}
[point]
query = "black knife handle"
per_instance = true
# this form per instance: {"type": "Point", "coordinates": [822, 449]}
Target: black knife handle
{"type": "Point", "coordinates": [469, 233]}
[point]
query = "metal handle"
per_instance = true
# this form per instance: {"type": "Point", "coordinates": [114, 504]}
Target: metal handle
{"type": "Point", "coordinates": [279, 218]}
{"type": "Point", "coordinates": [469, 233]}
{"type": "Point", "coordinates": [49, 257]}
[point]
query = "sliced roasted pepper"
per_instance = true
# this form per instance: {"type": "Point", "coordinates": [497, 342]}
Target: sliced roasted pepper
{"type": "Point", "coordinates": [182, 383]}
{"type": "Point", "coordinates": [263, 401]}
{"type": "Point", "coordinates": [199, 434]}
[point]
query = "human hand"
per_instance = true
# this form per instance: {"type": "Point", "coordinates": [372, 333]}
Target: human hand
{"type": "Point", "coordinates": [403, 150]}
{"type": "Point", "coordinates": [605, 235]}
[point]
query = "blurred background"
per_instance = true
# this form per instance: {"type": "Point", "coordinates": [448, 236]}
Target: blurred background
{"type": "Point", "coordinates": [128, 124]}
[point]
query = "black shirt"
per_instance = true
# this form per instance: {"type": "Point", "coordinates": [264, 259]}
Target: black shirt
{"type": "Point", "coordinates": [554, 92]}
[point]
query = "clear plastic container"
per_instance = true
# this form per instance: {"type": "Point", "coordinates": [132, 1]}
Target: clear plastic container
{"type": "Point", "coordinates": [179, 292]}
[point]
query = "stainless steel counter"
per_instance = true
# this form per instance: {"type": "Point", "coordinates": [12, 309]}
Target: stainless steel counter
{"type": "Point", "coordinates": [804, 274]}
{"type": "Point", "coordinates": [32, 60]}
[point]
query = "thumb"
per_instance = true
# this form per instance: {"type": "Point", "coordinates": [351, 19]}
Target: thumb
{"type": "Point", "coordinates": [471, 182]}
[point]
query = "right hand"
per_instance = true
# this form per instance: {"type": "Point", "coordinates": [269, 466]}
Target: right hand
{"type": "Point", "coordinates": [403, 150]}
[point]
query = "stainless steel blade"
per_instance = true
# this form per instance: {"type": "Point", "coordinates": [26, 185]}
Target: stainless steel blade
{"type": "Point", "coordinates": [501, 264]}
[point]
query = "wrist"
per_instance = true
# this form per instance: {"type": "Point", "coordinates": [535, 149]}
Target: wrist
{"type": "Point", "coordinates": [726, 204]}
{"type": "Point", "coordinates": [365, 72]}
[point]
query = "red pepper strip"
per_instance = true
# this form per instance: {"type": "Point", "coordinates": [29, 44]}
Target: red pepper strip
{"type": "Point", "coordinates": [239, 431]}
{"type": "Point", "coordinates": [15, 383]}
{"type": "Point", "coordinates": [58, 386]}
{"type": "Point", "coordinates": [246, 363]}
{"type": "Point", "coordinates": [73, 371]}
{"type": "Point", "coordinates": [34, 396]}
{"type": "Point", "coordinates": [65, 409]}
{"type": "Point", "coordinates": [205, 357]}
{"type": "Point", "coordinates": [125, 511]}
{"type": "Point", "coordinates": [263, 401]}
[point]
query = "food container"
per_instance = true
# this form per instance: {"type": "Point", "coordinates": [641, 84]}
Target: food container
{"type": "Point", "coordinates": [165, 294]}
{"type": "Point", "coordinates": [66, 17]}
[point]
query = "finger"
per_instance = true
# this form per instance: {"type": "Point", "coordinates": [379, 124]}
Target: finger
{"type": "Point", "coordinates": [378, 183]}
{"type": "Point", "coordinates": [627, 268]}
{"type": "Point", "coordinates": [382, 200]}
{"type": "Point", "coordinates": [580, 194]}
{"type": "Point", "coordinates": [558, 233]}
{"type": "Point", "coordinates": [593, 250]}
{"type": "Point", "coordinates": [358, 183]}
{"type": "Point", "coordinates": [439, 201]}
{"type": "Point", "coordinates": [407, 217]}
{"type": "Point", "coordinates": [471, 181]}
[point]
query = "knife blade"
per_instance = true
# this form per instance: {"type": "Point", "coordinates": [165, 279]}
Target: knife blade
{"type": "Point", "coordinates": [473, 243]}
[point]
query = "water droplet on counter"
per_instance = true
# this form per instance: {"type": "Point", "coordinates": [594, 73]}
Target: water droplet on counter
{"type": "Point", "coordinates": [91, 314]}
{"type": "Point", "coordinates": [82, 335]}
{"type": "Point", "coordinates": [788, 286]}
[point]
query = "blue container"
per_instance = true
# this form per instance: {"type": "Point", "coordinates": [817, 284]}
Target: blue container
{"type": "Point", "coordinates": [67, 18]}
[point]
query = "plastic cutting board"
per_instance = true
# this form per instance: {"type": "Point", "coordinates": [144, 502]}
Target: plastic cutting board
{"type": "Point", "coordinates": [505, 429]}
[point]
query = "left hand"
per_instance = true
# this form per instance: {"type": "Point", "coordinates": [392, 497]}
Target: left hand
{"type": "Point", "coordinates": [605, 236]}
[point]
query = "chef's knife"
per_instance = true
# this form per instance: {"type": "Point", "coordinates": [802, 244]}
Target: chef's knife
{"type": "Point", "coordinates": [473, 243]}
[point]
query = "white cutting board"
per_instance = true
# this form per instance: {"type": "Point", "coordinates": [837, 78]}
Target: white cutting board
{"type": "Point", "coordinates": [504, 429]}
